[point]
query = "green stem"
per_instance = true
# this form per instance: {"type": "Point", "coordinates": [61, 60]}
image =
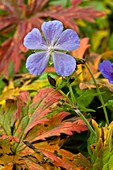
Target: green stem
{"type": "Point", "coordinates": [86, 121]}
{"type": "Point", "coordinates": [100, 96]}
{"type": "Point", "coordinates": [72, 95]}
{"type": "Point", "coordinates": [73, 103]}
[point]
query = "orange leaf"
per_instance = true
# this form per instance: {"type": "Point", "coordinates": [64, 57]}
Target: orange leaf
{"type": "Point", "coordinates": [55, 126]}
{"type": "Point", "coordinates": [79, 53]}
{"type": "Point", "coordinates": [8, 167]}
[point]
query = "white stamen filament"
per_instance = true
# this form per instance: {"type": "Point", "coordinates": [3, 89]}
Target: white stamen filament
{"type": "Point", "coordinates": [50, 49]}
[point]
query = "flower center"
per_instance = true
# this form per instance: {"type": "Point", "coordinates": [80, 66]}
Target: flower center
{"type": "Point", "coordinates": [50, 49]}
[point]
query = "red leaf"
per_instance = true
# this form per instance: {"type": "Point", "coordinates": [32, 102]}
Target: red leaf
{"type": "Point", "coordinates": [29, 123]}
{"type": "Point", "coordinates": [47, 100]}
{"type": "Point", "coordinates": [58, 161]}
{"type": "Point", "coordinates": [23, 17]}
{"type": "Point", "coordinates": [53, 155]}
{"type": "Point", "coordinates": [84, 45]}
{"type": "Point", "coordinates": [76, 2]}
{"type": "Point", "coordinates": [55, 126]}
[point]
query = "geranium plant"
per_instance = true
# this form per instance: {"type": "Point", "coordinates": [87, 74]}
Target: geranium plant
{"type": "Point", "coordinates": [56, 106]}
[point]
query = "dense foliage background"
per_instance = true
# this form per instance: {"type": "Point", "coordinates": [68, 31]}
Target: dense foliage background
{"type": "Point", "coordinates": [40, 127]}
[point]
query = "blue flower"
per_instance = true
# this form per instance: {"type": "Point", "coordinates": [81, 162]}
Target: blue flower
{"type": "Point", "coordinates": [106, 68]}
{"type": "Point", "coordinates": [52, 45]}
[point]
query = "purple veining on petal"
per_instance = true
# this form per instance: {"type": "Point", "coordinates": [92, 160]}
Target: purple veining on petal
{"type": "Point", "coordinates": [37, 62]}
{"type": "Point", "coordinates": [64, 64]}
{"type": "Point", "coordinates": [55, 39]}
{"type": "Point", "coordinates": [106, 68]}
{"type": "Point", "coordinates": [33, 40]}
{"type": "Point", "coordinates": [68, 40]}
{"type": "Point", "coordinates": [52, 31]}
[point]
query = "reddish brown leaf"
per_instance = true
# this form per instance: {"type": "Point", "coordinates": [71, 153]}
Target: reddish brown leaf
{"type": "Point", "coordinates": [8, 167]}
{"type": "Point", "coordinates": [28, 121]}
{"type": "Point", "coordinates": [47, 100]}
{"type": "Point", "coordinates": [22, 98]}
{"type": "Point", "coordinates": [23, 17]}
{"type": "Point", "coordinates": [79, 53]}
{"type": "Point", "coordinates": [33, 166]}
{"type": "Point", "coordinates": [10, 138]}
{"type": "Point", "coordinates": [86, 85]}
{"type": "Point", "coordinates": [60, 162]}
{"type": "Point", "coordinates": [53, 155]}
{"type": "Point", "coordinates": [76, 2]}
{"type": "Point", "coordinates": [55, 126]}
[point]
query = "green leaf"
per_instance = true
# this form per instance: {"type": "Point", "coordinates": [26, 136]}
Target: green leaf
{"type": "Point", "coordinates": [102, 149]}
{"type": "Point", "coordinates": [85, 97]}
{"type": "Point", "coordinates": [6, 120]}
{"type": "Point", "coordinates": [64, 3]}
{"type": "Point", "coordinates": [110, 164]}
{"type": "Point", "coordinates": [109, 103]}
{"type": "Point", "coordinates": [100, 34]}
{"type": "Point", "coordinates": [111, 42]}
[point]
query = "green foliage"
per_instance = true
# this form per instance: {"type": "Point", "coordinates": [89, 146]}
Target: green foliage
{"type": "Point", "coordinates": [39, 124]}
{"type": "Point", "coordinates": [111, 42]}
{"type": "Point", "coordinates": [65, 3]}
{"type": "Point", "coordinates": [102, 149]}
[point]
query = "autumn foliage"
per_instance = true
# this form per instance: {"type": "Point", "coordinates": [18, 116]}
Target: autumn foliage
{"type": "Point", "coordinates": [52, 122]}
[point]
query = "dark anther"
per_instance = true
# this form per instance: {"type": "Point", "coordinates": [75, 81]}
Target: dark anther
{"type": "Point", "coordinates": [80, 61]}
{"type": "Point", "coordinates": [71, 80]}
{"type": "Point", "coordinates": [52, 81]}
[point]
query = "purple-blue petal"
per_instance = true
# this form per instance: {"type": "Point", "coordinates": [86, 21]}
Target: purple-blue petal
{"type": "Point", "coordinates": [37, 62]}
{"type": "Point", "coordinates": [52, 31]}
{"type": "Point", "coordinates": [64, 64]}
{"type": "Point", "coordinates": [68, 40]}
{"type": "Point", "coordinates": [33, 40]}
{"type": "Point", "coordinates": [111, 81]}
{"type": "Point", "coordinates": [106, 68]}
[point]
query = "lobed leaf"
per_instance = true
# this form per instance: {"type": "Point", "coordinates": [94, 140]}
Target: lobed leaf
{"type": "Point", "coordinates": [26, 129]}
{"type": "Point", "coordinates": [20, 18]}
{"type": "Point", "coordinates": [101, 155]}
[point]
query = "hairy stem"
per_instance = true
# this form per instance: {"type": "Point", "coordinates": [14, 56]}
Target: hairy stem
{"type": "Point", "coordinates": [86, 122]}
{"type": "Point", "coordinates": [73, 103]}
{"type": "Point", "coordinates": [100, 96]}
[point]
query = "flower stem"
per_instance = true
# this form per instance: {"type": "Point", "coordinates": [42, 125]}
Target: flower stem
{"type": "Point", "coordinates": [100, 96]}
{"type": "Point", "coordinates": [86, 122]}
{"type": "Point", "coordinates": [72, 95]}
{"type": "Point", "coordinates": [73, 103]}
